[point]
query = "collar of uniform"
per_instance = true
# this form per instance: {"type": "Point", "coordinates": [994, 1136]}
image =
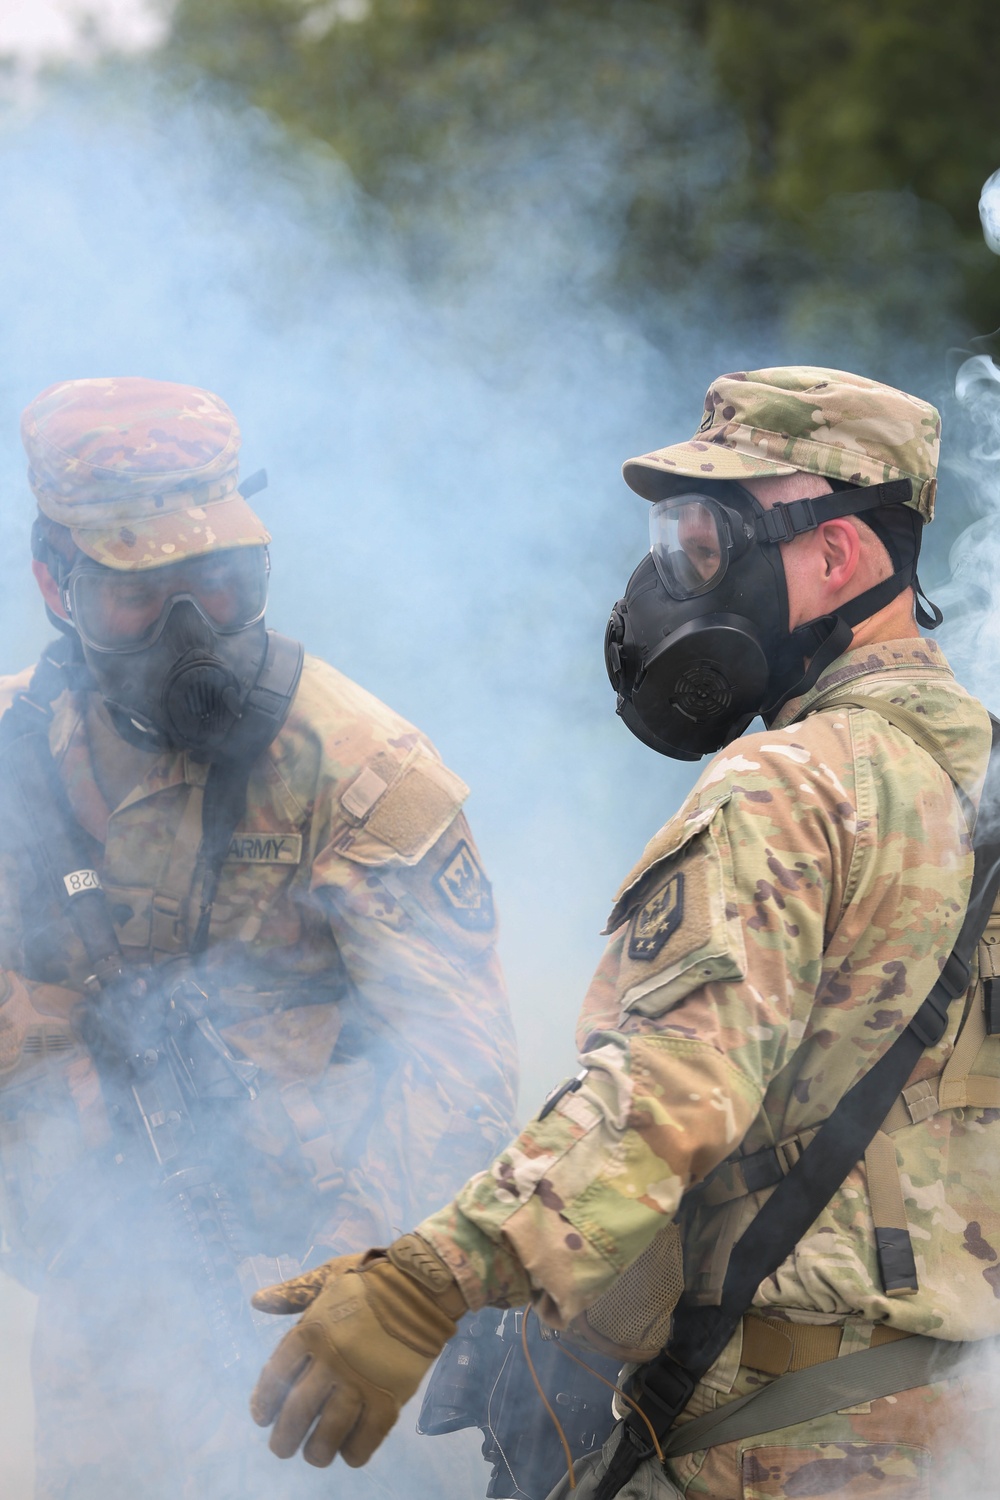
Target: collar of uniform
{"type": "Point", "coordinates": [76, 738]}
{"type": "Point", "coordinates": [913, 654]}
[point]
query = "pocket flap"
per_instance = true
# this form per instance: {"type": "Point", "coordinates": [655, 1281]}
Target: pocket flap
{"type": "Point", "coordinates": [662, 846]}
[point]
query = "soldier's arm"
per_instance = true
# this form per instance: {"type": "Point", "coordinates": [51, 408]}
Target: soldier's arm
{"type": "Point", "coordinates": [714, 962]}
{"type": "Point", "coordinates": [435, 1048]}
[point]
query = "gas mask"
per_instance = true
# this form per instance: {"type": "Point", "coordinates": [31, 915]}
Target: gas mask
{"type": "Point", "coordinates": [700, 643]}
{"type": "Point", "coordinates": [175, 651]}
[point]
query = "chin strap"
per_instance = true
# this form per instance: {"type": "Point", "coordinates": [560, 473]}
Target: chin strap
{"type": "Point", "coordinates": [825, 639]}
{"type": "Point", "coordinates": [929, 617]}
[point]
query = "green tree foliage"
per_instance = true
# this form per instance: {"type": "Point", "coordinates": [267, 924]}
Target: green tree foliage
{"type": "Point", "coordinates": [814, 166]}
{"type": "Point", "coordinates": [850, 97]}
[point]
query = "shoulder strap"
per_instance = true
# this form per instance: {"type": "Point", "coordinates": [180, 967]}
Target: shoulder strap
{"type": "Point", "coordinates": [264, 713]}
{"type": "Point", "coordinates": [828, 1387]}
{"type": "Point", "coordinates": [43, 822]}
{"type": "Point", "coordinates": [919, 731]}
{"type": "Point", "coordinates": [55, 837]}
{"type": "Point", "coordinates": [700, 1334]}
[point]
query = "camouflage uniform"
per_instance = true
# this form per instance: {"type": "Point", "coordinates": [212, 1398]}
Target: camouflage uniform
{"type": "Point", "coordinates": [351, 957]}
{"type": "Point", "coordinates": [775, 937]}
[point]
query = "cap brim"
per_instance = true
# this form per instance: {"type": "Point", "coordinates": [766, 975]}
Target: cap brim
{"type": "Point", "coordinates": [651, 474]}
{"type": "Point", "coordinates": [188, 532]}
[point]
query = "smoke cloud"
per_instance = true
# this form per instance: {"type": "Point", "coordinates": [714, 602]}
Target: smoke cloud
{"type": "Point", "coordinates": [989, 212]}
{"type": "Point", "coordinates": [450, 528]}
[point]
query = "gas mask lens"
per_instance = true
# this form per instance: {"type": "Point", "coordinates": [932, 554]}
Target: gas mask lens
{"type": "Point", "coordinates": [692, 538]}
{"type": "Point", "coordinates": [115, 610]}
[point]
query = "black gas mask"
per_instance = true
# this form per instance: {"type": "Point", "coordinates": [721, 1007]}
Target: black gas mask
{"type": "Point", "coordinates": [175, 651]}
{"type": "Point", "coordinates": [700, 644]}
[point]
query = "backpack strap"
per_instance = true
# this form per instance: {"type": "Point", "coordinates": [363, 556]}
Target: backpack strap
{"type": "Point", "coordinates": [893, 1247]}
{"type": "Point", "coordinates": [664, 1387]}
{"type": "Point", "coordinates": [917, 729]}
{"type": "Point", "coordinates": [882, 1370]}
{"type": "Point", "coordinates": [896, 1261]}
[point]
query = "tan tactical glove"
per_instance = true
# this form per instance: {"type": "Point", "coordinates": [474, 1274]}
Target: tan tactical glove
{"type": "Point", "coordinates": [372, 1326]}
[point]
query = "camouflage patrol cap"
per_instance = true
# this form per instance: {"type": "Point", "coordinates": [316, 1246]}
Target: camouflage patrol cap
{"type": "Point", "coordinates": [143, 472]}
{"type": "Point", "coordinates": [828, 422]}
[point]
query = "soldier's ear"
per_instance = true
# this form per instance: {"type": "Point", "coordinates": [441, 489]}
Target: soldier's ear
{"type": "Point", "coordinates": [48, 587]}
{"type": "Point", "coordinates": [840, 552]}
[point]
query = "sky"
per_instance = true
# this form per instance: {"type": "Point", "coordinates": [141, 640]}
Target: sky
{"type": "Point", "coordinates": [35, 30]}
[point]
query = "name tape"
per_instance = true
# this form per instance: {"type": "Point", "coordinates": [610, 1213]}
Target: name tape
{"type": "Point", "coordinates": [265, 848]}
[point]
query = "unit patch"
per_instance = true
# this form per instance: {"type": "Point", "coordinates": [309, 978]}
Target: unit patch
{"type": "Point", "coordinates": [265, 848]}
{"type": "Point", "coordinates": [657, 920]}
{"type": "Point", "coordinates": [465, 890]}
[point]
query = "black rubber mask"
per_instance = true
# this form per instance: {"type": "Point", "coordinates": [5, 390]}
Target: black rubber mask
{"type": "Point", "coordinates": [187, 690]}
{"type": "Point", "coordinates": [175, 651]}
{"type": "Point", "coordinates": [700, 643]}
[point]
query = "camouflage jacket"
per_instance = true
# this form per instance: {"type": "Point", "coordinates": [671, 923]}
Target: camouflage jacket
{"type": "Point", "coordinates": [351, 957]}
{"type": "Point", "coordinates": [771, 943]}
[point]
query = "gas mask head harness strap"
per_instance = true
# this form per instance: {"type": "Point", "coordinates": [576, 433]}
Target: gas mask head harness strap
{"type": "Point", "coordinates": [701, 644]}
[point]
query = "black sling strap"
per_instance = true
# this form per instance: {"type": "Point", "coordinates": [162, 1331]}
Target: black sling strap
{"type": "Point", "coordinates": [57, 844]}
{"type": "Point", "coordinates": [699, 1334]}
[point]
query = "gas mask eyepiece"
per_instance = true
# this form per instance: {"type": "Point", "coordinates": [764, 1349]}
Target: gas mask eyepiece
{"type": "Point", "coordinates": [121, 611]}
{"type": "Point", "coordinates": [693, 538]}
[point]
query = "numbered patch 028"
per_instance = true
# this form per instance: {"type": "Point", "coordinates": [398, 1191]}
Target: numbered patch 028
{"type": "Point", "coordinates": [657, 919]}
{"type": "Point", "coordinates": [465, 890]}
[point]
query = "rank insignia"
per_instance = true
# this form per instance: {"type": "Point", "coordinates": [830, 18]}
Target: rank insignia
{"type": "Point", "coordinates": [657, 920]}
{"type": "Point", "coordinates": [465, 890]}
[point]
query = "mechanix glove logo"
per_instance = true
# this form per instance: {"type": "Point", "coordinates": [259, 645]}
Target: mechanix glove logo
{"type": "Point", "coordinates": [465, 890]}
{"type": "Point", "coordinates": [657, 919]}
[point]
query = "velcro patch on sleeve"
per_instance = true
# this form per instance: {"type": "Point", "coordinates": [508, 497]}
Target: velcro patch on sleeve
{"type": "Point", "coordinates": [683, 928]}
{"type": "Point", "coordinates": [404, 813]}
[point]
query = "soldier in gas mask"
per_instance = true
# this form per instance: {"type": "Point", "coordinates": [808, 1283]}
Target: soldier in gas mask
{"type": "Point", "coordinates": [780, 1148]}
{"type": "Point", "coordinates": [313, 1044]}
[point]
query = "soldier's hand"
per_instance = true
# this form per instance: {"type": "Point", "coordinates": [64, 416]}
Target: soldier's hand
{"type": "Point", "coordinates": [359, 1351]}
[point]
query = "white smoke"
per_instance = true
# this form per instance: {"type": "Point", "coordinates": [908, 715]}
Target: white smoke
{"type": "Point", "coordinates": [989, 211]}
{"type": "Point", "coordinates": [971, 598]}
{"type": "Point", "coordinates": [449, 523]}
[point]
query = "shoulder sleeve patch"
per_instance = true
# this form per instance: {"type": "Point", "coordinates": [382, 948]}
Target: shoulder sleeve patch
{"type": "Point", "coordinates": [398, 812]}
{"type": "Point", "coordinates": [657, 919]}
{"type": "Point", "coordinates": [684, 927]}
{"type": "Point", "coordinates": [463, 887]}
{"type": "Point", "coordinates": [448, 895]}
